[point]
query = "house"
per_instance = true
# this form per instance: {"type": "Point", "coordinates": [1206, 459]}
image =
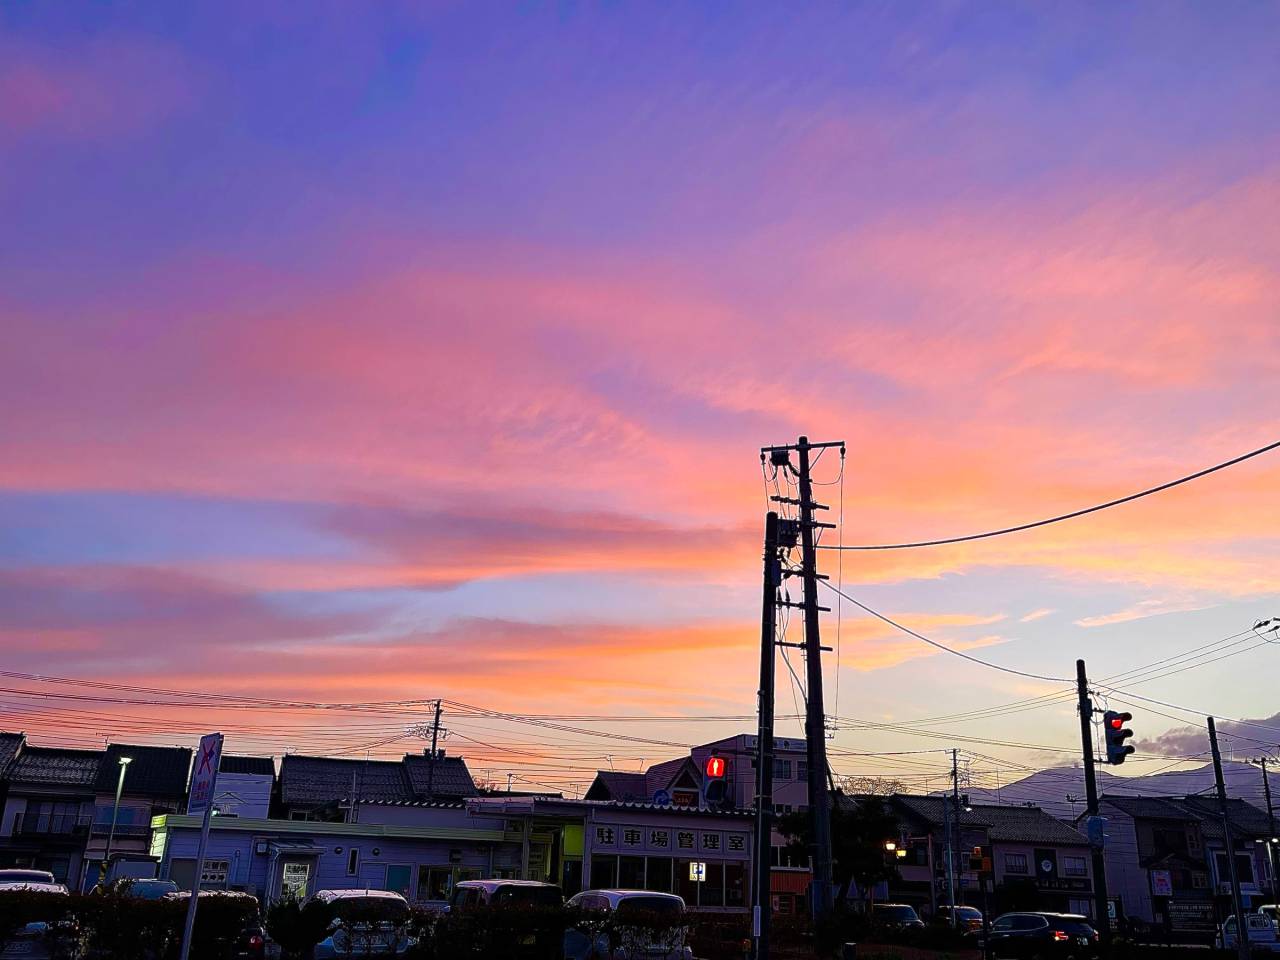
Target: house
{"type": "Point", "coordinates": [148, 781]}
{"type": "Point", "coordinates": [48, 807]}
{"type": "Point", "coordinates": [1166, 860]}
{"type": "Point", "coordinates": [244, 787]}
{"type": "Point", "coordinates": [1028, 860]}
{"type": "Point", "coordinates": [320, 788]}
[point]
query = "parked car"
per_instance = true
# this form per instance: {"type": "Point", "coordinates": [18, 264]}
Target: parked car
{"type": "Point", "coordinates": [1261, 932]}
{"type": "Point", "coordinates": [39, 939]}
{"type": "Point", "coordinates": [899, 918]}
{"type": "Point", "coordinates": [367, 923]}
{"type": "Point", "coordinates": [143, 889]}
{"type": "Point", "coordinates": [968, 919]}
{"type": "Point", "coordinates": [250, 943]}
{"type": "Point", "coordinates": [23, 875]}
{"type": "Point", "coordinates": [1043, 935]}
{"type": "Point", "coordinates": [1270, 910]}
{"type": "Point", "coordinates": [473, 893]}
{"type": "Point", "coordinates": [614, 941]}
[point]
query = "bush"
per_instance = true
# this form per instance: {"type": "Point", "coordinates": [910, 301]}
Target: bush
{"type": "Point", "coordinates": [298, 927]}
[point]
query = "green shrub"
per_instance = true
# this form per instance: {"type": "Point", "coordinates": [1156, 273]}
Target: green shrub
{"type": "Point", "coordinates": [298, 927]}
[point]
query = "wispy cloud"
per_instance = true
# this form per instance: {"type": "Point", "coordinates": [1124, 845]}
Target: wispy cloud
{"type": "Point", "coordinates": [1143, 608]}
{"type": "Point", "coordinates": [1035, 615]}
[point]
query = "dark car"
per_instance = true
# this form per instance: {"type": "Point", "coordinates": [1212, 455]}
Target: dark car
{"type": "Point", "coordinates": [897, 918]}
{"type": "Point", "coordinates": [1043, 935]}
{"type": "Point", "coordinates": [968, 919]}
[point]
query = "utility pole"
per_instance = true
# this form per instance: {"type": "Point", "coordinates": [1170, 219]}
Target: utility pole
{"type": "Point", "coordinates": [1242, 932]}
{"type": "Point", "coordinates": [1101, 908]}
{"type": "Point", "coordinates": [764, 738]}
{"type": "Point", "coordinates": [431, 761]}
{"type": "Point", "coordinates": [954, 852]}
{"type": "Point", "coordinates": [949, 860]}
{"type": "Point", "coordinates": [1271, 828]}
{"type": "Point", "coordinates": [815, 716]}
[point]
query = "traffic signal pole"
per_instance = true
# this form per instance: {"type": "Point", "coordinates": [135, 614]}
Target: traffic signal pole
{"type": "Point", "coordinates": [763, 903]}
{"type": "Point", "coordinates": [1091, 809]}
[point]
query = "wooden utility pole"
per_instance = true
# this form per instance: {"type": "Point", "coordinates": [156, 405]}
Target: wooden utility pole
{"type": "Point", "coordinates": [1101, 908]}
{"type": "Point", "coordinates": [1271, 829]}
{"type": "Point", "coordinates": [763, 902]}
{"type": "Point", "coordinates": [954, 851]}
{"type": "Point", "coordinates": [1242, 932]}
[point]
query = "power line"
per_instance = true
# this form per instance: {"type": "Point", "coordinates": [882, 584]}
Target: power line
{"type": "Point", "coordinates": [1064, 516]}
{"type": "Point", "coordinates": [941, 646]}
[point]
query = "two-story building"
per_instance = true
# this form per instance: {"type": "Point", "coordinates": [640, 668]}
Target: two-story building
{"type": "Point", "coordinates": [1035, 861]}
{"type": "Point", "coordinates": [48, 807]}
{"type": "Point", "coordinates": [321, 788]}
{"type": "Point", "coordinates": [1167, 860]}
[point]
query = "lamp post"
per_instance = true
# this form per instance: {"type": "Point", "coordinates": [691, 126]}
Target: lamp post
{"type": "Point", "coordinates": [115, 813]}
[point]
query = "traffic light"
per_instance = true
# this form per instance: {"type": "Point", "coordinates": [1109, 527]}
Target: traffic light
{"type": "Point", "coordinates": [1113, 726]}
{"type": "Point", "coordinates": [715, 788]}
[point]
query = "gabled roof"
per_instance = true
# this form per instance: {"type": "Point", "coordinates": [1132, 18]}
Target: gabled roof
{"type": "Point", "coordinates": [662, 776]}
{"type": "Point", "coordinates": [1149, 808]}
{"type": "Point", "coordinates": [451, 778]}
{"type": "Point", "coordinates": [311, 781]}
{"type": "Point", "coordinates": [10, 744]}
{"type": "Point", "coordinates": [158, 771]}
{"type": "Point", "coordinates": [1246, 819]}
{"type": "Point", "coordinates": [54, 766]}
{"type": "Point", "coordinates": [1007, 824]}
{"type": "Point", "coordinates": [250, 766]}
{"type": "Point", "coordinates": [618, 785]}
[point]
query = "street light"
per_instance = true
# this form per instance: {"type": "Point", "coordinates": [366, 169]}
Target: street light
{"type": "Point", "coordinates": [115, 813]}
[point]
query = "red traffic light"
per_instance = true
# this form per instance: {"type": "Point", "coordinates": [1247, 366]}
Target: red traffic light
{"type": "Point", "coordinates": [715, 767]}
{"type": "Point", "coordinates": [1118, 720]}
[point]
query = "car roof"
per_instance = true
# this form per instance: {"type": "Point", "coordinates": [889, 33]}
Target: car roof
{"type": "Point", "coordinates": [34, 886]}
{"type": "Point", "coordinates": [184, 894]}
{"type": "Point", "coordinates": [615, 894]}
{"type": "Point", "coordinates": [9, 872]}
{"type": "Point", "coordinates": [495, 884]}
{"type": "Point", "coordinates": [328, 896]}
{"type": "Point", "coordinates": [895, 905]}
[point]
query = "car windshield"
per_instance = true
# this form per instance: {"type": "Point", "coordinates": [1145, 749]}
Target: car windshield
{"type": "Point", "coordinates": [964, 913]}
{"type": "Point", "coordinates": [529, 896]}
{"type": "Point", "coordinates": [894, 912]}
{"type": "Point", "coordinates": [630, 906]}
{"type": "Point", "coordinates": [370, 909]}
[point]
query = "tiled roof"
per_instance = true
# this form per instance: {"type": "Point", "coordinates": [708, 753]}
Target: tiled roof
{"type": "Point", "coordinates": [450, 779]}
{"type": "Point", "coordinates": [618, 785]}
{"type": "Point", "coordinates": [56, 767]}
{"type": "Point", "coordinates": [309, 781]}
{"type": "Point", "coordinates": [9, 746]}
{"type": "Point", "coordinates": [1008, 824]}
{"type": "Point", "coordinates": [154, 771]}
{"type": "Point", "coordinates": [253, 766]}
{"type": "Point", "coordinates": [1246, 819]}
{"type": "Point", "coordinates": [1149, 808]}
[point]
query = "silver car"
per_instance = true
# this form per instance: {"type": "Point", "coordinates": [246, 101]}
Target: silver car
{"type": "Point", "coordinates": [367, 923]}
{"type": "Point", "coordinates": [634, 925]}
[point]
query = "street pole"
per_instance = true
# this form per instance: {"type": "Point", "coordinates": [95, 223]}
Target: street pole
{"type": "Point", "coordinates": [1091, 806]}
{"type": "Point", "coordinates": [764, 738]}
{"type": "Point", "coordinates": [815, 717]}
{"type": "Point", "coordinates": [1271, 827]}
{"type": "Point", "coordinates": [431, 761]}
{"type": "Point", "coordinates": [115, 814]}
{"type": "Point", "coordinates": [950, 859]}
{"type": "Point", "coordinates": [955, 839]}
{"type": "Point", "coordinates": [1242, 932]}
{"type": "Point", "coordinates": [210, 751]}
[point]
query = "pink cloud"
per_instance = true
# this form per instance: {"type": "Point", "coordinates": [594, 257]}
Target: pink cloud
{"type": "Point", "coordinates": [103, 88]}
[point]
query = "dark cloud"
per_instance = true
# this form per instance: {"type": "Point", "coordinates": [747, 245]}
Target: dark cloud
{"type": "Point", "coordinates": [1233, 738]}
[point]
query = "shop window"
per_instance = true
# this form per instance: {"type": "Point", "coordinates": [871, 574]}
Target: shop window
{"type": "Point", "coordinates": [735, 884]}
{"type": "Point", "coordinates": [604, 872]}
{"type": "Point", "coordinates": [657, 875]}
{"type": "Point", "coordinates": [631, 873]}
{"type": "Point", "coordinates": [713, 888]}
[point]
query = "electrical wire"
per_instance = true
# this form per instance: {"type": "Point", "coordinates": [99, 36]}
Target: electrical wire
{"type": "Point", "coordinates": [1064, 516]}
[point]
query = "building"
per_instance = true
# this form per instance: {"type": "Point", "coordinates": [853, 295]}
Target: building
{"type": "Point", "coordinates": [244, 787]}
{"type": "Point", "coordinates": [679, 782]}
{"type": "Point", "coordinates": [423, 848]}
{"type": "Point", "coordinates": [1167, 864]}
{"type": "Point", "coordinates": [320, 788]}
{"type": "Point", "coordinates": [154, 782]}
{"type": "Point", "coordinates": [1033, 861]}
{"type": "Point", "coordinates": [48, 807]}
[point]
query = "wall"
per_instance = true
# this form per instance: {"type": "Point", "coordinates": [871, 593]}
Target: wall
{"type": "Point", "coordinates": [1126, 878]}
{"type": "Point", "coordinates": [243, 794]}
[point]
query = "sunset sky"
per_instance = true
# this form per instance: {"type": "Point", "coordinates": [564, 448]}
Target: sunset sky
{"type": "Point", "coordinates": [357, 352]}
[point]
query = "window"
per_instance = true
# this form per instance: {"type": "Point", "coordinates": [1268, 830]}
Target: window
{"type": "Point", "coordinates": [1015, 863]}
{"type": "Point", "coordinates": [353, 861]}
{"type": "Point", "coordinates": [630, 873]}
{"type": "Point", "coordinates": [802, 769]}
{"type": "Point", "coordinates": [735, 885]}
{"type": "Point", "coordinates": [657, 875]}
{"type": "Point", "coordinates": [294, 878]}
{"type": "Point", "coordinates": [215, 873]}
{"type": "Point", "coordinates": [781, 769]}
{"type": "Point", "coordinates": [604, 872]}
{"type": "Point", "coordinates": [1074, 867]}
{"type": "Point", "coordinates": [713, 886]}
